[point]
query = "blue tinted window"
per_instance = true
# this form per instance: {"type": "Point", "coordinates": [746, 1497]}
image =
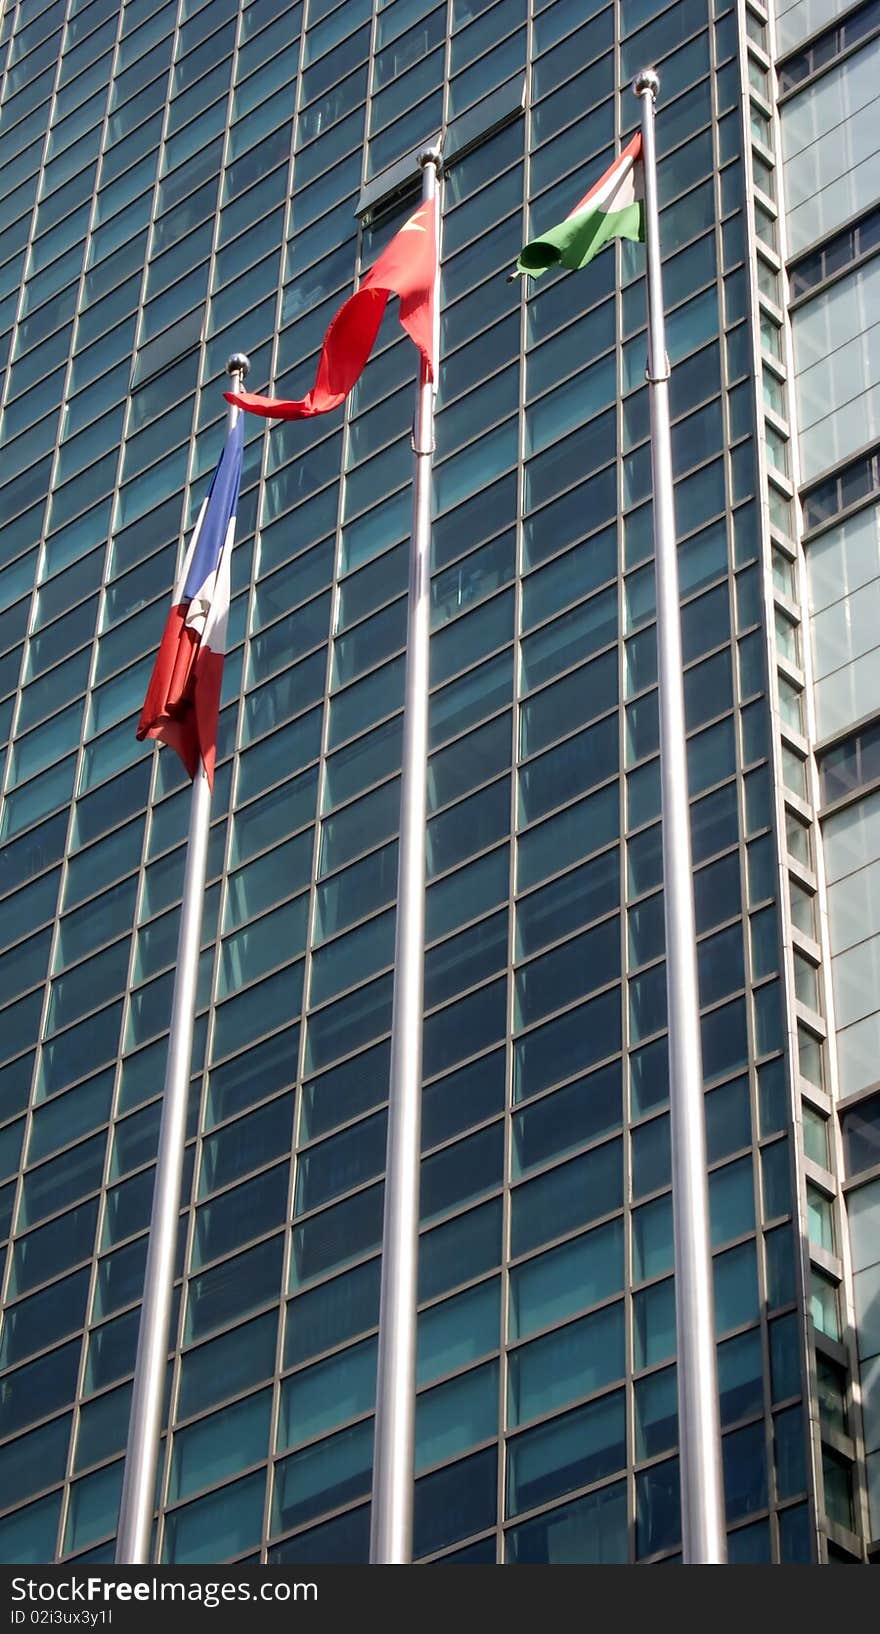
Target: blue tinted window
{"type": "Point", "coordinates": [455, 1415]}
{"type": "Point", "coordinates": [217, 1446]}
{"type": "Point", "coordinates": [658, 1508]}
{"type": "Point", "coordinates": [323, 1476]}
{"type": "Point", "coordinates": [567, 1196]}
{"type": "Point", "coordinates": [29, 1535]}
{"type": "Point", "coordinates": [317, 1398]}
{"type": "Point", "coordinates": [570, 1362]}
{"type": "Point", "coordinates": [570, 1452]}
{"type": "Point", "coordinates": [454, 1502]}
{"type": "Point", "coordinates": [591, 1531]}
{"type": "Point", "coordinates": [225, 1523]}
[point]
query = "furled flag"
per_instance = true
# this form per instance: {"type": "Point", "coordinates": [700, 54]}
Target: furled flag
{"type": "Point", "coordinates": [183, 698]}
{"type": "Point", "coordinates": [613, 208]}
{"type": "Point", "coordinates": [407, 268]}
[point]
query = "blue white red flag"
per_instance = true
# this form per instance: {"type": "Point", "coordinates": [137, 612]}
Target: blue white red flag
{"type": "Point", "coordinates": [183, 698]}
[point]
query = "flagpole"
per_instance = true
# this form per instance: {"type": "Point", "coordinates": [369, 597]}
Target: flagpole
{"type": "Point", "coordinates": [133, 1540]}
{"type": "Point", "coordinates": [702, 1492]}
{"type": "Point", "coordinates": [394, 1446]}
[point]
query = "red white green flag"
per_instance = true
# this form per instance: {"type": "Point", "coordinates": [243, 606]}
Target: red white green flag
{"type": "Point", "coordinates": [613, 208]}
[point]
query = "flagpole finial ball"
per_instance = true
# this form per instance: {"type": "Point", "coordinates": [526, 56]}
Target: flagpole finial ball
{"type": "Point", "coordinates": [647, 83]}
{"type": "Point", "coordinates": [239, 363]}
{"type": "Point", "coordinates": [430, 156]}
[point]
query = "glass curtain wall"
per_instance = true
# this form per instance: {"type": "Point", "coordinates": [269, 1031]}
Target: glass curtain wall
{"type": "Point", "coordinates": [185, 183]}
{"type": "Point", "coordinates": [827, 82]}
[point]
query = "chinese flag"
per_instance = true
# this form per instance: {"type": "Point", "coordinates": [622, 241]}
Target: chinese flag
{"type": "Point", "coordinates": [406, 268]}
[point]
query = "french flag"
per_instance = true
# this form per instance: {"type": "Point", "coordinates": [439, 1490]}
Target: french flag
{"type": "Point", "coordinates": [182, 705]}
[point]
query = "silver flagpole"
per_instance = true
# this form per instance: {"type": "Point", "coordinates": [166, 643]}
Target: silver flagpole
{"type": "Point", "coordinates": [702, 1492]}
{"type": "Point", "coordinates": [145, 1423]}
{"type": "Point", "coordinates": [394, 1446]}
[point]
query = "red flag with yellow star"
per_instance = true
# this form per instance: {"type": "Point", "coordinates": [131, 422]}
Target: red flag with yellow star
{"type": "Point", "coordinates": [407, 268]}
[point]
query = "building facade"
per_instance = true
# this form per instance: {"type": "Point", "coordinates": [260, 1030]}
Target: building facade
{"type": "Point", "coordinates": [183, 180]}
{"type": "Point", "coordinates": [831, 189]}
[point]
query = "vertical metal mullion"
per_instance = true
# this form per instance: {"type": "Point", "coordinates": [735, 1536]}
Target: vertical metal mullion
{"type": "Point", "coordinates": [625, 1069]}
{"type": "Point", "coordinates": [175, 1339]}
{"type": "Point", "coordinates": [287, 1252]}
{"type": "Point", "coordinates": [510, 1054]}
{"type": "Point", "coordinates": [114, 1114]}
{"type": "Point", "coordinates": [823, 934]}
{"type": "Point", "coordinates": [75, 1408]}
{"type": "Point", "coordinates": [509, 1058]}
{"type": "Point", "coordinates": [731, 570]}
{"type": "Point", "coordinates": [786, 973]}
{"type": "Point", "coordinates": [754, 1100]}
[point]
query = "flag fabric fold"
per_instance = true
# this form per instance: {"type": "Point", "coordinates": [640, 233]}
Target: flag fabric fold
{"type": "Point", "coordinates": [407, 268]}
{"type": "Point", "coordinates": [182, 704]}
{"type": "Point", "coordinates": [613, 208]}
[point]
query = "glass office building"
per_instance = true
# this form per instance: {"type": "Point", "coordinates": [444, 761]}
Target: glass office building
{"type": "Point", "coordinates": [182, 180]}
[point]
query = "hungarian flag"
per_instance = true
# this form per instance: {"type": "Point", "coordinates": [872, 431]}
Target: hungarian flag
{"type": "Point", "coordinates": [613, 208]}
{"type": "Point", "coordinates": [183, 698]}
{"type": "Point", "coordinates": [407, 268]}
